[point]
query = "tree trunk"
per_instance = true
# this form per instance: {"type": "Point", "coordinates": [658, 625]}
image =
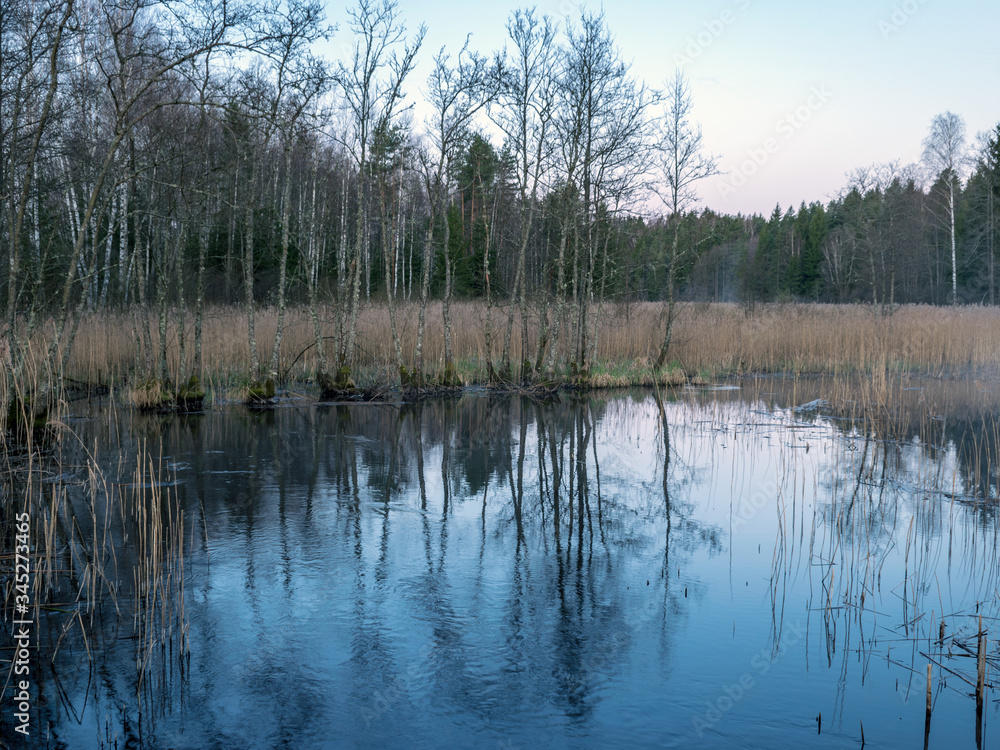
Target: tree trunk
{"type": "Point", "coordinates": [425, 287]}
{"type": "Point", "coordinates": [586, 293]}
{"type": "Point", "coordinates": [342, 266]}
{"type": "Point", "coordinates": [991, 240]}
{"type": "Point", "coordinates": [199, 302]}
{"type": "Point", "coordinates": [142, 299]}
{"type": "Point", "coordinates": [161, 318]}
{"type": "Point", "coordinates": [125, 257]}
{"type": "Point", "coordinates": [312, 257]}
{"type": "Point", "coordinates": [488, 322]}
{"type": "Point", "coordinates": [560, 294]}
{"type": "Point", "coordinates": [669, 307]}
{"type": "Point", "coordinates": [518, 297]}
{"type": "Point", "coordinates": [954, 257]}
{"type": "Point", "coordinates": [390, 247]}
{"type": "Point", "coordinates": [286, 218]}
{"type": "Point", "coordinates": [248, 261]}
{"type": "Point", "coordinates": [108, 243]}
{"type": "Point", "coordinates": [543, 334]}
{"type": "Point", "coordinates": [449, 365]}
{"type": "Point", "coordinates": [600, 296]}
{"type": "Point", "coordinates": [181, 309]}
{"type": "Point", "coordinates": [359, 251]}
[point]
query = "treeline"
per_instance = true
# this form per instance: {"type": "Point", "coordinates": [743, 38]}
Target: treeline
{"type": "Point", "coordinates": [885, 240]}
{"type": "Point", "coordinates": [161, 157]}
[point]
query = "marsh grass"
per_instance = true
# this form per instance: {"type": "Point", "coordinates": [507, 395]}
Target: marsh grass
{"type": "Point", "coordinates": [710, 341]}
{"type": "Point", "coordinates": [907, 480]}
{"type": "Point", "coordinates": [149, 394]}
{"type": "Point", "coordinates": [104, 553]}
{"type": "Point", "coordinates": [634, 372]}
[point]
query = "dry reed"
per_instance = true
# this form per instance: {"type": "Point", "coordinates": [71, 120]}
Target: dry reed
{"type": "Point", "coordinates": [90, 538]}
{"type": "Point", "coordinates": [711, 339]}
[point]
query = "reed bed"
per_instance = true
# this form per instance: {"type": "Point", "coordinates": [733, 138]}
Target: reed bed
{"type": "Point", "coordinates": [711, 340]}
{"type": "Point", "coordinates": [106, 561]}
{"type": "Point", "coordinates": [839, 339]}
{"type": "Point", "coordinates": [871, 525]}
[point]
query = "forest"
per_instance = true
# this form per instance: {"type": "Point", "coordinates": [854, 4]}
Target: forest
{"type": "Point", "coordinates": [162, 159]}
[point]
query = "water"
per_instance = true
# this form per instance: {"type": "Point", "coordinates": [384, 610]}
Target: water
{"type": "Point", "coordinates": [499, 572]}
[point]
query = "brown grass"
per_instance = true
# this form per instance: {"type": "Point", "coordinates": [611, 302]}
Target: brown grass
{"type": "Point", "coordinates": [147, 394]}
{"type": "Point", "coordinates": [710, 340]}
{"type": "Point", "coordinates": [836, 339]}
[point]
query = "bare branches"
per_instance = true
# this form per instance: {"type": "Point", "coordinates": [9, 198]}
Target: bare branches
{"type": "Point", "coordinates": [371, 81]}
{"type": "Point", "coordinates": [456, 94]}
{"type": "Point", "coordinates": [944, 146]}
{"type": "Point", "coordinates": [681, 159]}
{"type": "Point", "coordinates": [681, 164]}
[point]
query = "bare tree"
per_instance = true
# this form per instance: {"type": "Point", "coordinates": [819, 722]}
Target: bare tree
{"type": "Point", "coordinates": [371, 82]}
{"type": "Point", "coordinates": [603, 134]}
{"type": "Point", "coordinates": [314, 200]}
{"type": "Point", "coordinates": [875, 224]}
{"type": "Point", "coordinates": [456, 93]}
{"type": "Point", "coordinates": [252, 131]}
{"type": "Point", "coordinates": [206, 153]}
{"type": "Point", "coordinates": [391, 161]}
{"type": "Point", "coordinates": [30, 67]}
{"type": "Point", "coordinates": [681, 163]}
{"type": "Point", "coordinates": [300, 79]}
{"type": "Point", "coordinates": [524, 112]}
{"type": "Point", "coordinates": [945, 156]}
{"type": "Point", "coordinates": [142, 64]}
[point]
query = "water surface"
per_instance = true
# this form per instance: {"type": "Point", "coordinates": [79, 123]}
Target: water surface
{"type": "Point", "coordinates": [720, 570]}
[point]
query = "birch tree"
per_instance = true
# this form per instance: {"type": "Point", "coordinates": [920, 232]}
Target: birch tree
{"type": "Point", "coordinates": [391, 151]}
{"type": "Point", "coordinates": [681, 162]}
{"type": "Point", "coordinates": [603, 133]}
{"type": "Point", "coordinates": [145, 52]}
{"type": "Point", "coordinates": [371, 82]}
{"type": "Point", "coordinates": [300, 78]}
{"type": "Point", "coordinates": [456, 94]}
{"type": "Point", "coordinates": [524, 111]}
{"type": "Point", "coordinates": [31, 49]}
{"type": "Point", "coordinates": [945, 156]}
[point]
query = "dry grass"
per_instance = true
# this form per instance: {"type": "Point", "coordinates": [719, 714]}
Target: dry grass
{"type": "Point", "coordinates": [148, 394]}
{"type": "Point", "coordinates": [710, 340]}
{"type": "Point", "coordinates": [637, 372]}
{"type": "Point", "coordinates": [836, 339]}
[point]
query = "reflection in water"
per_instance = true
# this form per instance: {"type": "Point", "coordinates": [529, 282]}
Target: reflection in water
{"type": "Point", "coordinates": [706, 570]}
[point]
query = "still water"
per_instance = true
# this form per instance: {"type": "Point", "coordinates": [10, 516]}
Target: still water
{"type": "Point", "coordinates": [721, 570]}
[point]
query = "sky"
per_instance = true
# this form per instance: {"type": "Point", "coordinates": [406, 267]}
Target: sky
{"type": "Point", "coordinates": [791, 96]}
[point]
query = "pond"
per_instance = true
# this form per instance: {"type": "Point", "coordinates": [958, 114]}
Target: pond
{"type": "Point", "coordinates": [716, 569]}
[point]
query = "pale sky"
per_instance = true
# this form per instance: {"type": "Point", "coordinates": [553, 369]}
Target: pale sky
{"type": "Point", "coordinates": [790, 95]}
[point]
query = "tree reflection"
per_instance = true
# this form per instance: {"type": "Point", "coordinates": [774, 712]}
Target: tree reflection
{"type": "Point", "coordinates": [491, 552]}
